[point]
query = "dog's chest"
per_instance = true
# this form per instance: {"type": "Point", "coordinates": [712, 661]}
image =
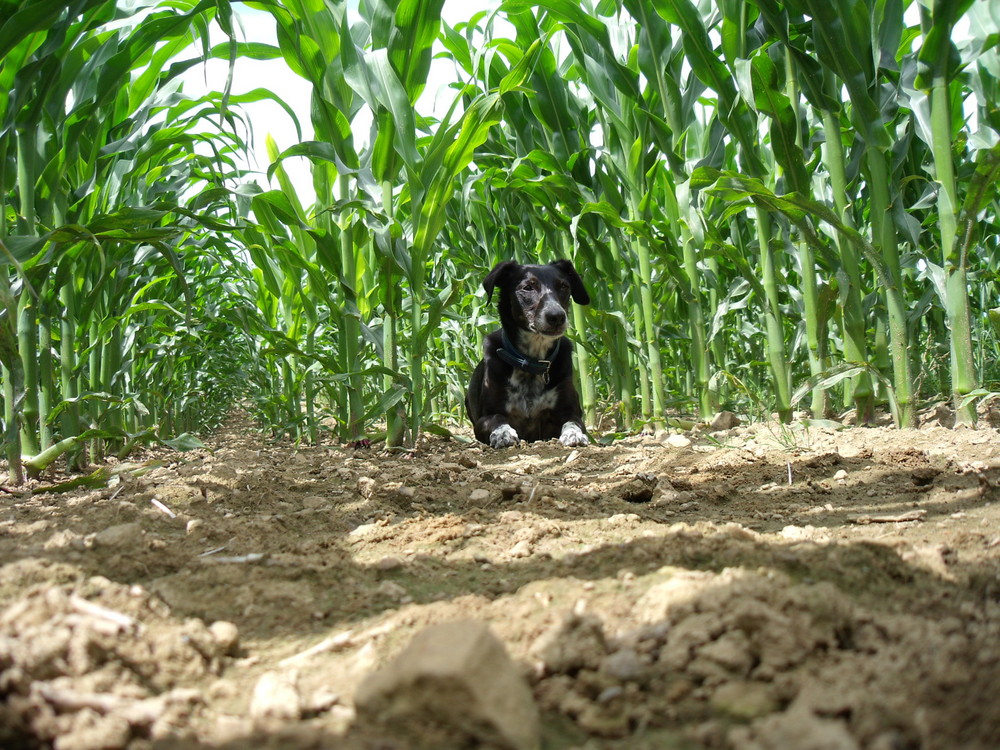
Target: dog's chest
{"type": "Point", "coordinates": [527, 396]}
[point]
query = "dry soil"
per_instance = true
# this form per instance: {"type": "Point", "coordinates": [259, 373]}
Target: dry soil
{"type": "Point", "coordinates": [761, 587]}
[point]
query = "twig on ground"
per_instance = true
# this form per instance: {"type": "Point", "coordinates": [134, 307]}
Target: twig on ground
{"type": "Point", "coordinates": [336, 642]}
{"type": "Point", "coordinates": [910, 515]}
{"type": "Point", "coordinates": [160, 506]}
{"type": "Point", "coordinates": [120, 619]}
{"type": "Point", "coordinates": [141, 712]}
{"type": "Point", "coordinates": [237, 559]}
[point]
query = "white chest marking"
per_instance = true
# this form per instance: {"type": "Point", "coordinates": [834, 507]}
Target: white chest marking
{"type": "Point", "coordinates": [527, 397]}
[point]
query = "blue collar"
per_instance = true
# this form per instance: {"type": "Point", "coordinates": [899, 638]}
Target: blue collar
{"type": "Point", "coordinates": [509, 354]}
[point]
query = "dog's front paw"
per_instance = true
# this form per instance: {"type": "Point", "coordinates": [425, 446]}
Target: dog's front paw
{"type": "Point", "coordinates": [572, 435]}
{"type": "Point", "coordinates": [504, 436]}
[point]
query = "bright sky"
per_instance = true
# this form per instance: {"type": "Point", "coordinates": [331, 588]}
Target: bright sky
{"type": "Point", "coordinates": [269, 118]}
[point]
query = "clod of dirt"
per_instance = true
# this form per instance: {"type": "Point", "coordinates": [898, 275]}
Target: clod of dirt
{"type": "Point", "coordinates": [392, 590]}
{"type": "Point", "coordinates": [576, 642]}
{"type": "Point", "coordinates": [623, 665]}
{"type": "Point", "coordinates": [227, 637]}
{"type": "Point", "coordinates": [122, 535]}
{"type": "Point", "coordinates": [96, 732]}
{"type": "Point", "coordinates": [276, 697]}
{"type": "Point", "coordinates": [522, 549]}
{"type": "Point", "coordinates": [799, 729]}
{"type": "Point", "coordinates": [479, 496]}
{"type": "Point", "coordinates": [724, 420]}
{"type": "Point", "coordinates": [453, 686]}
{"type": "Point", "coordinates": [678, 441]}
{"type": "Point", "coordinates": [821, 614]}
{"type": "Point", "coordinates": [745, 699]}
{"type": "Point", "coordinates": [945, 416]}
{"type": "Point", "coordinates": [366, 487]}
{"type": "Point", "coordinates": [95, 665]}
{"type": "Point", "coordinates": [640, 489]}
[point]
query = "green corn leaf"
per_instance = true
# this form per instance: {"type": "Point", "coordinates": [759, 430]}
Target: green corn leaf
{"type": "Point", "coordinates": [838, 373]}
{"type": "Point", "coordinates": [184, 442]}
{"type": "Point", "coordinates": [768, 99]}
{"type": "Point", "coordinates": [416, 28]}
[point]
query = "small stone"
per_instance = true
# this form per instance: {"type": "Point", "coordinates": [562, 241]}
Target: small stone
{"type": "Point", "coordinates": [406, 492]}
{"type": "Point", "coordinates": [841, 475]}
{"type": "Point", "coordinates": [732, 651]}
{"type": "Point", "coordinates": [850, 451]}
{"type": "Point", "coordinates": [945, 416]}
{"type": "Point", "coordinates": [744, 700]}
{"type": "Point", "coordinates": [314, 502]}
{"type": "Point", "coordinates": [226, 636]}
{"type": "Point", "coordinates": [610, 693]}
{"type": "Point", "coordinates": [724, 420]}
{"type": "Point", "coordinates": [365, 530]}
{"type": "Point", "coordinates": [109, 732]}
{"type": "Point", "coordinates": [678, 441]}
{"type": "Point", "coordinates": [62, 539]}
{"type": "Point", "coordinates": [576, 642]}
{"type": "Point", "coordinates": [479, 496]}
{"type": "Point", "coordinates": [623, 665]}
{"type": "Point", "coordinates": [321, 701]}
{"type": "Point", "coordinates": [276, 696]}
{"type": "Point", "coordinates": [457, 678]}
{"type": "Point", "coordinates": [521, 549]}
{"type": "Point", "coordinates": [388, 563]}
{"type": "Point", "coordinates": [392, 590]}
{"type": "Point", "coordinates": [230, 730]}
{"type": "Point", "coordinates": [366, 487]}
{"type": "Point", "coordinates": [193, 525]}
{"type": "Point", "coordinates": [683, 586]}
{"type": "Point", "coordinates": [122, 535]}
{"type": "Point", "coordinates": [801, 729]}
{"type": "Point", "coordinates": [468, 461]}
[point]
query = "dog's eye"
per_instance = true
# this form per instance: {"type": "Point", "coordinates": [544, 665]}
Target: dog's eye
{"type": "Point", "coordinates": [530, 285]}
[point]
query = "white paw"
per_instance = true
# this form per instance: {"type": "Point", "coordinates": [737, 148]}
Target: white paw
{"type": "Point", "coordinates": [573, 435]}
{"type": "Point", "coordinates": [503, 436]}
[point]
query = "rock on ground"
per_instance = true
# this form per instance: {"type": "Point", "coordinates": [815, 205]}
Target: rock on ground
{"type": "Point", "coordinates": [453, 684]}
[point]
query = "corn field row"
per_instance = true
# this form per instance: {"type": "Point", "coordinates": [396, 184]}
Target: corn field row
{"type": "Point", "coordinates": [775, 205]}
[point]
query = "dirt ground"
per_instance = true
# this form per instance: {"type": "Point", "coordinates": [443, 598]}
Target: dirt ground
{"type": "Point", "coordinates": [760, 587]}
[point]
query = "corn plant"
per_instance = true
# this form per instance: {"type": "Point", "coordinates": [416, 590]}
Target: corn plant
{"type": "Point", "coordinates": [110, 192]}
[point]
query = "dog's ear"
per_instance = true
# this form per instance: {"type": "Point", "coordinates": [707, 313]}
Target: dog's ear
{"type": "Point", "coordinates": [576, 288]}
{"type": "Point", "coordinates": [498, 276]}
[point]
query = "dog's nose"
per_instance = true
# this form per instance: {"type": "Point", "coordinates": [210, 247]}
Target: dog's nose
{"type": "Point", "coordinates": [555, 318]}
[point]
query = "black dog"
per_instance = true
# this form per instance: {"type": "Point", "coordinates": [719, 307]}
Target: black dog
{"type": "Point", "coordinates": [523, 388]}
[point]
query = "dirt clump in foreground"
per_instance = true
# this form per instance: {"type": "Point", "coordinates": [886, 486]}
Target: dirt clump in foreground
{"type": "Point", "coordinates": [757, 587]}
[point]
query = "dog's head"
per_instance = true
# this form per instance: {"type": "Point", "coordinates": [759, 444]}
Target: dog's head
{"type": "Point", "coordinates": [536, 298]}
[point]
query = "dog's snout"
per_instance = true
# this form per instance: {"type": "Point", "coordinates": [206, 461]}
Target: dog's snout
{"type": "Point", "coordinates": [554, 317]}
